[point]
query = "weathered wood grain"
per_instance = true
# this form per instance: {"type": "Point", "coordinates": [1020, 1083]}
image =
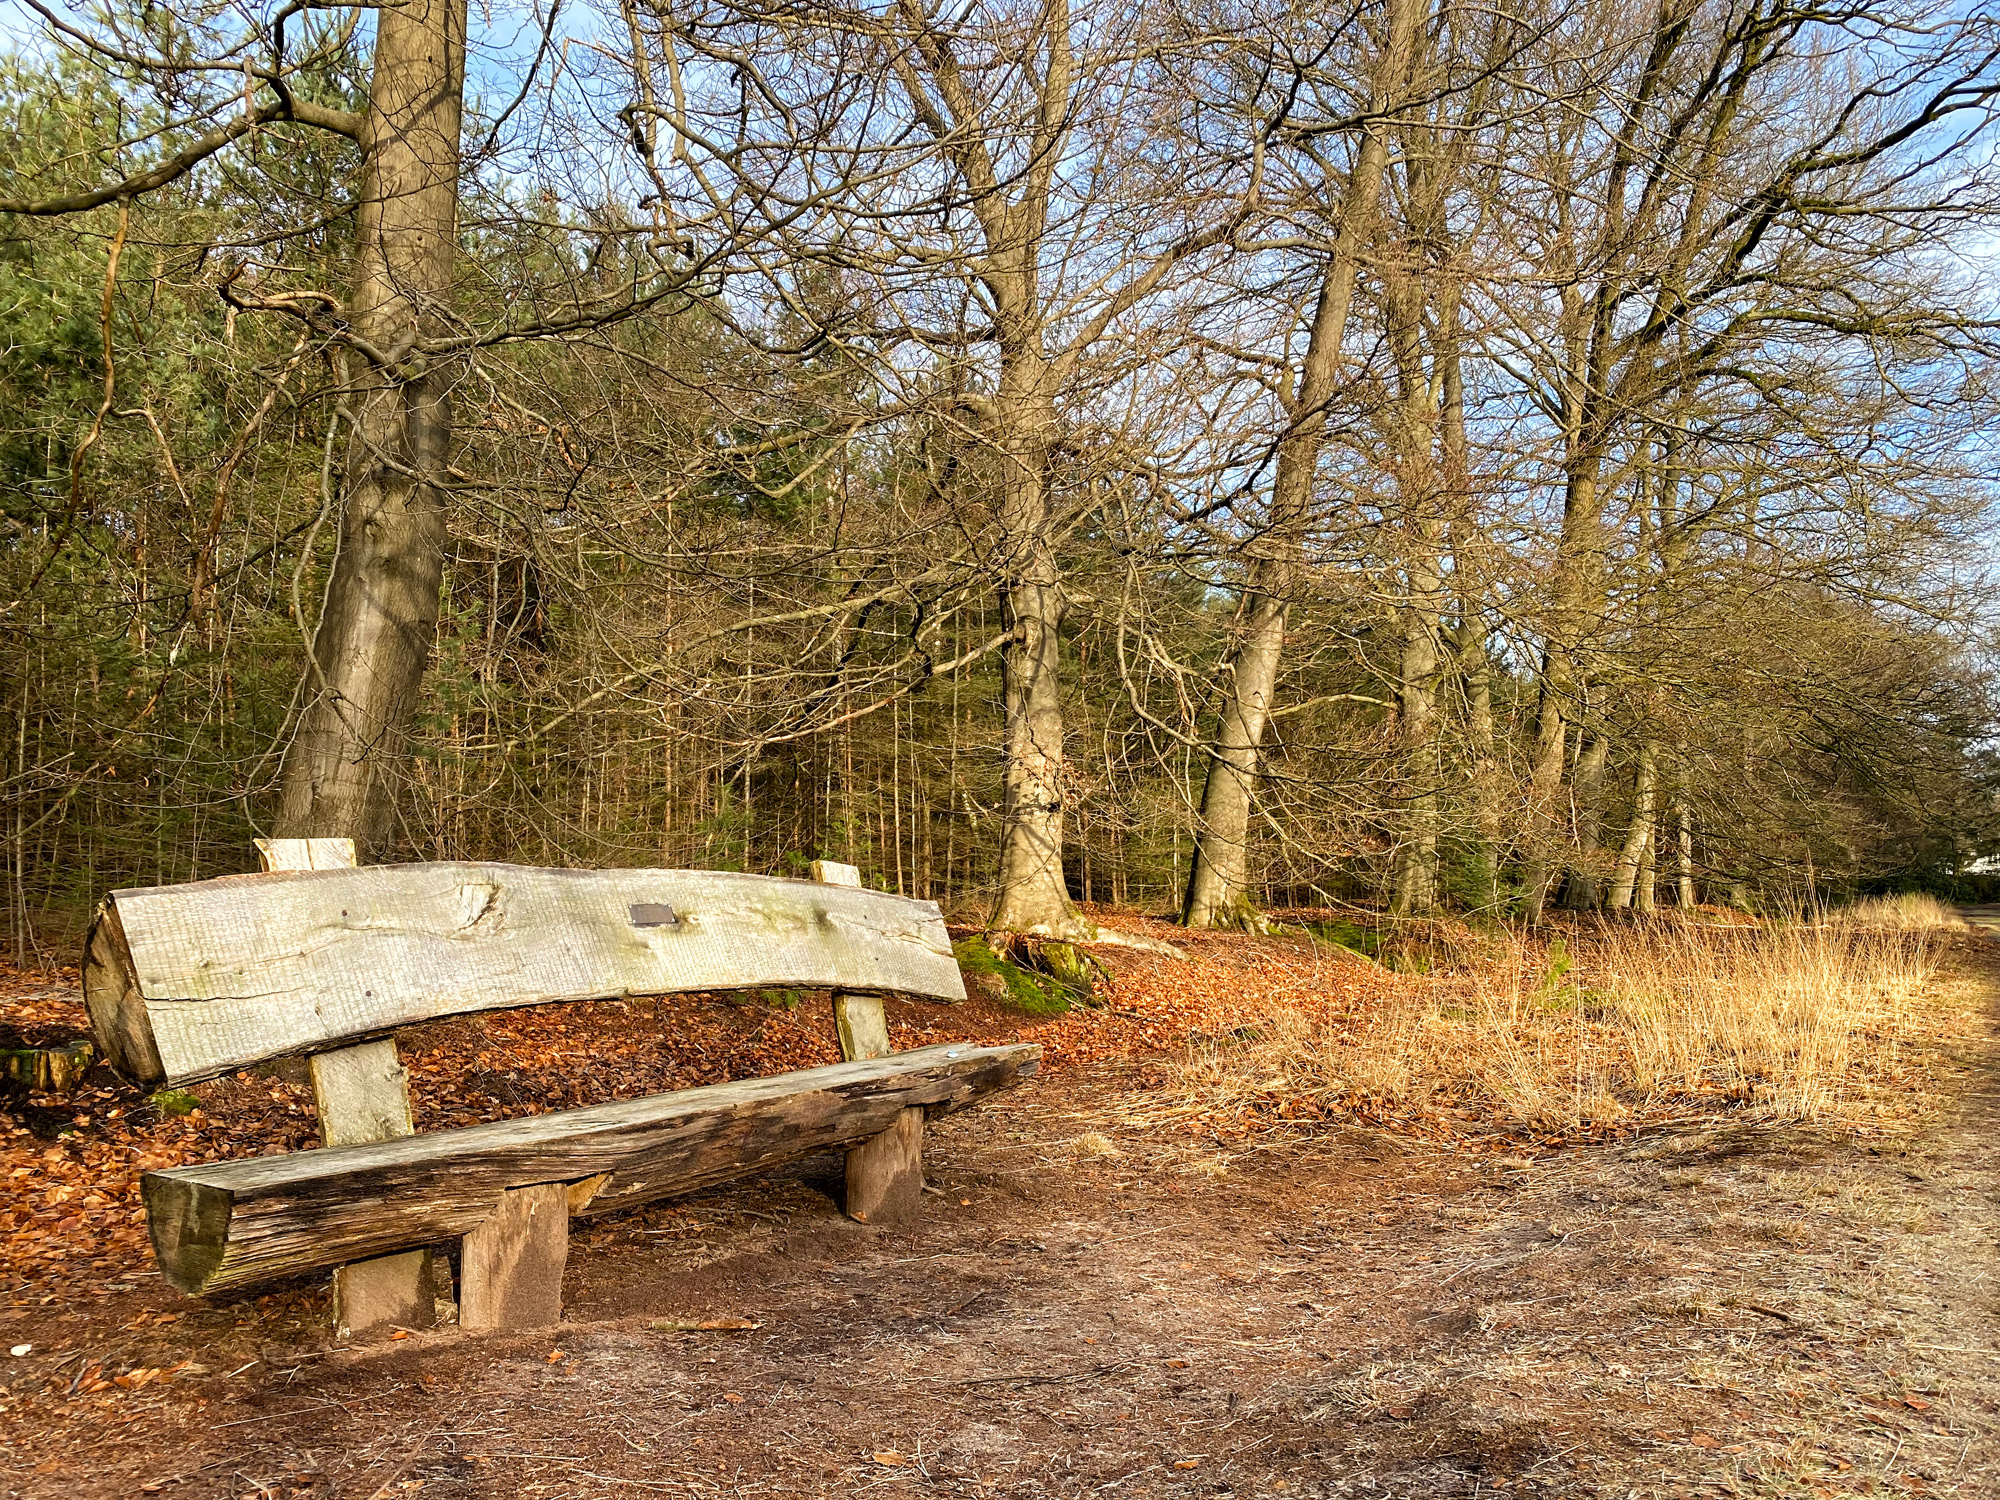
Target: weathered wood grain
{"type": "Point", "coordinates": [188, 981]}
{"type": "Point", "coordinates": [235, 1223]}
{"type": "Point", "coordinates": [362, 1093]}
{"type": "Point", "coordinates": [862, 1026]}
{"type": "Point", "coordinates": [858, 1019]}
{"type": "Point", "coordinates": [885, 1173]}
{"type": "Point", "coordinates": [511, 1270]}
{"type": "Point", "coordinates": [387, 1292]}
{"type": "Point", "coordinates": [118, 1021]}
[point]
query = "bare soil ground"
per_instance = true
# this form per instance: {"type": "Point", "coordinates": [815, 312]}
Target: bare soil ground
{"type": "Point", "coordinates": [1712, 1306]}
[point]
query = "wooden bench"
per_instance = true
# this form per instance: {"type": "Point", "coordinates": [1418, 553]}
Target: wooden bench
{"type": "Point", "coordinates": [328, 961]}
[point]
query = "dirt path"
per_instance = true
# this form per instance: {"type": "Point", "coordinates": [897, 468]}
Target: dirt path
{"type": "Point", "coordinates": [1742, 1309]}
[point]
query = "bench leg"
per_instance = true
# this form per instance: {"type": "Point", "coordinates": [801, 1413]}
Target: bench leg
{"type": "Point", "coordinates": [363, 1094]}
{"type": "Point", "coordinates": [885, 1174]}
{"type": "Point", "coordinates": [390, 1291]}
{"type": "Point", "coordinates": [864, 1031]}
{"type": "Point", "coordinates": [511, 1270]}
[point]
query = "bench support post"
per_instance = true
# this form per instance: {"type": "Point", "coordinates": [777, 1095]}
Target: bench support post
{"type": "Point", "coordinates": [885, 1175]}
{"type": "Point", "coordinates": [511, 1268]}
{"type": "Point", "coordinates": [864, 1030]}
{"type": "Point", "coordinates": [363, 1094]}
{"type": "Point", "coordinates": [390, 1291]}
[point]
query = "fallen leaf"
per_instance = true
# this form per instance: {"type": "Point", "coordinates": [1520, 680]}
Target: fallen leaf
{"type": "Point", "coordinates": [890, 1459]}
{"type": "Point", "coordinates": [400, 1333]}
{"type": "Point", "coordinates": [1915, 1404]}
{"type": "Point", "coordinates": [1401, 1413]}
{"type": "Point", "coordinates": [1703, 1440]}
{"type": "Point", "coordinates": [732, 1398]}
{"type": "Point", "coordinates": [1187, 1463]}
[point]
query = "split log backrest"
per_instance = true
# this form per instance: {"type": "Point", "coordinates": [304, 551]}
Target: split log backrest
{"type": "Point", "coordinates": [190, 981]}
{"type": "Point", "coordinates": [321, 958]}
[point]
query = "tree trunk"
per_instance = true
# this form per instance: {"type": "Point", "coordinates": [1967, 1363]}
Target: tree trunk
{"type": "Point", "coordinates": [1477, 673]}
{"type": "Point", "coordinates": [1545, 769]}
{"type": "Point", "coordinates": [1219, 878]}
{"type": "Point", "coordinates": [1625, 878]}
{"type": "Point", "coordinates": [1584, 885]}
{"type": "Point", "coordinates": [1684, 860]}
{"type": "Point", "coordinates": [1217, 889]}
{"type": "Point", "coordinates": [380, 617]}
{"type": "Point", "coordinates": [1570, 587]}
{"type": "Point", "coordinates": [1416, 876]}
{"type": "Point", "coordinates": [1645, 896]}
{"type": "Point", "coordinates": [1033, 897]}
{"type": "Point", "coordinates": [1413, 432]}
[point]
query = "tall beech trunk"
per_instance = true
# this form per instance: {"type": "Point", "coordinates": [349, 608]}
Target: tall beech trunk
{"type": "Point", "coordinates": [1219, 876]}
{"type": "Point", "coordinates": [1570, 590]}
{"type": "Point", "coordinates": [1645, 894]}
{"type": "Point", "coordinates": [1476, 672]}
{"type": "Point", "coordinates": [1033, 897]}
{"type": "Point", "coordinates": [1684, 857]}
{"type": "Point", "coordinates": [1588, 794]}
{"type": "Point", "coordinates": [1641, 833]}
{"type": "Point", "coordinates": [1415, 892]}
{"type": "Point", "coordinates": [374, 638]}
{"type": "Point", "coordinates": [1218, 879]}
{"type": "Point", "coordinates": [1414, 422]}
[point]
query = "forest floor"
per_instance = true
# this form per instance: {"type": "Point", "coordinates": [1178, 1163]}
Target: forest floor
{"type": "Point", "coordinates": [1709, 1304]}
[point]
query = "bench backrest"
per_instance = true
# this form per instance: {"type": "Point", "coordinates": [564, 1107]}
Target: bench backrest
{"type": "Point", "coordinates": [189, 981]}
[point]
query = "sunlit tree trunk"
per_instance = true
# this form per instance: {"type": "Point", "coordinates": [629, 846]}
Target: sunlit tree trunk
{"type": "Point", "coordinates": [1218, 880]}
{"type": "Point", "coordinates": [1684, 858]}
{"type": "Point", "coordinates": [346, 761]}
{"type": "Point", "coordinates": [1587, 795]}
{"type": "Point", "coordinates": [1476, 672]}
{"type": "Point", "coordinates": [1033, 897]}
{"type": "Point", "coordinates": [1570, 588]}
{"type": "Point", "coordinates": [1414, 439]}
{"type": "Point", "coordinates": [1640, 834]}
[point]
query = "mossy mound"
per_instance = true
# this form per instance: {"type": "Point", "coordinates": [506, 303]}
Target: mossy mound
{"type": "Point", "coordinates": [1018, 988]}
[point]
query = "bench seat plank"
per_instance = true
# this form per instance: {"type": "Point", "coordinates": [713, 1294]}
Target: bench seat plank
{"type": "Point", "coordinates": [234, 1223]}
{"type": "Point", "coordinates": [188, 981]}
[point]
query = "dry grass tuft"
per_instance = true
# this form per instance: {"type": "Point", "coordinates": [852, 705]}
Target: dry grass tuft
{"type": "Point", "coordinates": [1788, 1020]}
{"type": "Point", "coordinates": [1780, 1017]}
{"type": "Point", "coordinates": [1909, 912]}
{"type": "Point", "coordinates": [1094, 1145]}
